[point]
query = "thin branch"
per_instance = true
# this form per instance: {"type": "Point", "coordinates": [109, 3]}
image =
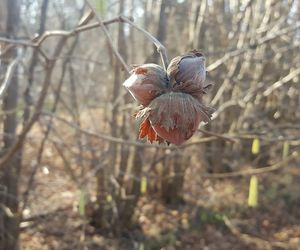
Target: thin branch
{"type": "Point", "coordinates": [249, 239]}
{"type": "Point", "coordinates": [9, 73]}
{"type": "Point", "coordinates": [121, 141]}
{"type": "Point", "coordinates": [47, 131]}
{"type": "Point", "coordinates": [160, 48]}
{"type": "Point", "coordinates": [215, 136]}
{"type": "Point", "coordinates": [249, 172]}
{"type": "Point", "coordinates": [256, 171]}
{"type": "Point", "coordinates": [224, 137]}
{"type": "Point", "coordinates": [38, 107]}
{"type": "Point", "coordinates": [260, 87]}
{"type": "Point", "coordinates": [17, 42]}
{"type": "Point", "coordinates": [282, 81]}
{"type": "Point", "coordinates": [37, 41]}
{"type": "Point", "coordinates": [108, 37]}
{"type": "Point", "coordinates": [274, 35]}
{"type": "Point", "coordinates": [259, 42]}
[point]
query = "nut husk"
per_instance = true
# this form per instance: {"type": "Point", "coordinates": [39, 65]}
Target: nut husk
{"type": "Point", "coordinates": [174, 117]}
{"type": "Point", "coordinates": [147, 82]}
{"type": "Point", "coordinates": [187, 73]}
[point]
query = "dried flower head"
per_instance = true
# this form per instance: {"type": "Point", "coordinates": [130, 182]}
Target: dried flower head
{"type": "Point", "coordinates": [147, 82]}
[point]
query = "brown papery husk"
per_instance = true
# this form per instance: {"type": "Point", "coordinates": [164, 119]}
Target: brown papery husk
{"type": "Point", "coordinates": [175, 116]}
{"type": "Point", "coordinates": [147, 82]}
{"type": "Point", "coordinates": [192, 89]}
{"type": "Point", "coordinates": [188, 69]}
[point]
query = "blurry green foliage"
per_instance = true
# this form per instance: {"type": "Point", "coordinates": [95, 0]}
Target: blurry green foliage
{"type": "Point", "coordinates": [207, 217]}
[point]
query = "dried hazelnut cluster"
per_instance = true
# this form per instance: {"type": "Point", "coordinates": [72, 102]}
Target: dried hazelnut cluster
{"type": "Point", "coordinates": [171, 101]}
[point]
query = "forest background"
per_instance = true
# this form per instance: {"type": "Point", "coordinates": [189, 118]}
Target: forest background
{"type": "Point", "coordinates": [73, 174]}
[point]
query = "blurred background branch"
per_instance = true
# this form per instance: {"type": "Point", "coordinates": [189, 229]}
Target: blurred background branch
{"type": "Point", "coordinates": [70, 152]}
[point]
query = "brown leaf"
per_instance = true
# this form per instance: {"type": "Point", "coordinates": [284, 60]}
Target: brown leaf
{"type": "Point", "coordinates": [147, 130]}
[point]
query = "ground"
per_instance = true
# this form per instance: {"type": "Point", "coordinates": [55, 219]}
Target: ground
{"type": "Point", "coordinates": [214, 216]}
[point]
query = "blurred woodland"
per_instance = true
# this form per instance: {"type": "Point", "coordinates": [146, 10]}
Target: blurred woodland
{"type": "Point", "coordinates": [73, 173]}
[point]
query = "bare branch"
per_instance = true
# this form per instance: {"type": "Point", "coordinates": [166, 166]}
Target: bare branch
{"type": "Point", "coordinates": [259, 42]}
{"type": "Point", "coordinates": [113, 139]}
{"type": "Point", "coordinates": [17, 42]}
{"type": "Point", "coordinates": [282, 81]}
{"type": "Point", "coordinates": [249, 239]}
{"type": "Point", "coordinates": [108, 37]}
{"type": "Point", "coordinates": [256, 171]}
{"type": "Point", "coordinates": [9, 73]}
{"type": "Point", "coordinates": [160, 48]}
{"type": "Point", "coordinates": [248, 172]}
{"type": "Point", "coordinates": [38, 107]}
{"type": "Point", "coordinates": [37, 41]}
{"type": "Point", "coordinates": [224, 137]}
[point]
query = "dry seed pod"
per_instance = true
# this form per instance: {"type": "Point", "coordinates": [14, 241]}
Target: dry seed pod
{"type": "Point", "coordinates": [192, 89]}
{"type": "Point", "coordinates": [174, 117]}
{"type": "Point", "coordinates": [147, 82]}
{"type": "Point", "coordinates": [188, 69]}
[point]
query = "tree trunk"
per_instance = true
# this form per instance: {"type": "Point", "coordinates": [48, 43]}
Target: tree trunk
{"type": "Point", "coordinates": [9, 177]}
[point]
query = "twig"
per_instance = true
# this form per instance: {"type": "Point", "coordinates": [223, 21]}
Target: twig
{"type": "Point", "coordinates": [37, 41]}
{"type": "Point", "coordinates": [47, 131]}
{"type": "Point", "coordinates": [274, 167]}
{"type": "Point", "coordinates": [214, 136]}
{"type": "Point", "coordinates": [274, 35]}
{"type": "Point", "coordinates": [257, 171]}
{"type": "Point", "coordinates": [73, 32]}
{"type": "Point", "coordinates": [225, 58]}
{"type": "Point", "coordinates": [261, 41]}
{"type": "Point", "coordinates": [17, 42]}
{"type": "Point", "coordinates": [108, 37]}
{"type": "Point", "coordinates": [45, 215]}
{"type": "Point", "coordinates": [249, 239]}
{"type": "Point", "coordinates": [224, 137]}
{"type": "Point", "coordinates": [282, 81]}
{"type": "Point", "coordinates": [160, 48]}
{"type": "Point", "coordinates": [38, 107]}
{"type": "Point", "coordinates": [9, 73]}
{"type": "Point", "coordinates": [121, 141]}
{"type": "Point", "coordinates": [86, 17]}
